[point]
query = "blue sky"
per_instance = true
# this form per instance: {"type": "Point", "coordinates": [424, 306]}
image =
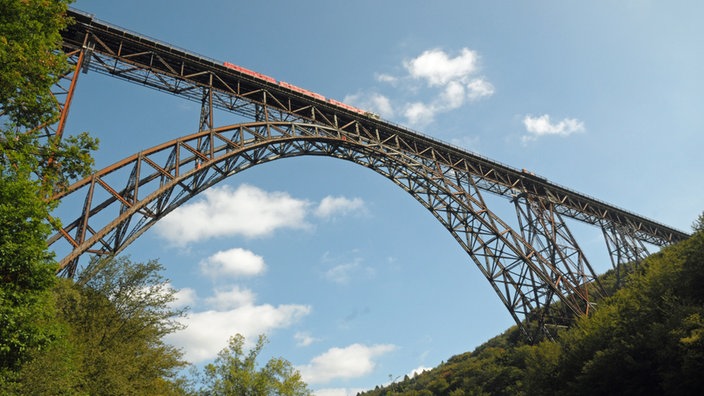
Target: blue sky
{"type": "Point", "coordinates": [352, 280]}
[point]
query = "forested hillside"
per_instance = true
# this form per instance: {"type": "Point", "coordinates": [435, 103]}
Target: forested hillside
{"type": "Point", "coordinates": [647, 338]}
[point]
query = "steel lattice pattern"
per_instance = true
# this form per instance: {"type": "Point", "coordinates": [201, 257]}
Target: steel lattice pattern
{"type": "Point", "coordinates": [530, 268]}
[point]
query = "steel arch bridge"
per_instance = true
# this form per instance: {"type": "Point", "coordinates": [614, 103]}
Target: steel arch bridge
{"type": "Point", "coordinates": [537, 269]}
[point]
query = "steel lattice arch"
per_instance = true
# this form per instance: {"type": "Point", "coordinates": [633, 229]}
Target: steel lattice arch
{"type": "Point", "coordinates": [537, 269]}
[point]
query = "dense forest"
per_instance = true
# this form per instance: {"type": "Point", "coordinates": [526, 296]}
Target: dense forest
{"type": "Point", "coordinates": [103, 332]}
{"type": "Point", "coordinates": [646, 338]}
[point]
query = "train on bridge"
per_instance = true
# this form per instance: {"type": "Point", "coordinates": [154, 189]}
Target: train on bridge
{"type": "Point", "coordinates": [299, 90]}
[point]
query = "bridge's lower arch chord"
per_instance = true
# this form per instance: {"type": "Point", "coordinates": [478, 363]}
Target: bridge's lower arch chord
{"type": "Point", "coordinates": [120, 202]}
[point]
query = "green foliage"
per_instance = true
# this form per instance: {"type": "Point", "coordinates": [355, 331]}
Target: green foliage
{"type": "Point", "coordinates": [51, 165]}
{"type": "Point", "coordinates": [698, 225]}
{"type": "Point", "coordinates": [29, 62]}
{"type": "Point", "coordinates": [236, 373]}
{"type": "Point", "coordinates": [638, 341]}
{"type": "Point", "coordinates": [112, 336]}
{"type": "Point", "coordinates": [30, 171]}
{"type": "Point", "coordinates": [648, 338]}
{"type": "Point", "coordinates": [26, 272]}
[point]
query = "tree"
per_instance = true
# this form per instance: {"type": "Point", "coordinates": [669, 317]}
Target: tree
{"type": "Point", "coordinates": [647, 338]}
{"type": "Point", "coordinates": [236, 373]}
{"type": "Point", "coordinates": [698, 225]}
{"type": "Point", "coordinates": [30, 64]}
{"type": "Point", "coordinates": [113, 324]}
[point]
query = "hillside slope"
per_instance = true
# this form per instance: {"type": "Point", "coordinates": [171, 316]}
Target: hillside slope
{"type": "Point", "coordinates": [647, 338]}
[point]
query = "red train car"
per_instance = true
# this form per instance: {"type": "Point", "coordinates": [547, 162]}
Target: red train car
{"type": "Point", "coordinates": [249, 72]}
{"type": "Point", "coordinates": [301, 90]}
{"type": "Point", "coordinates": [345, 106]}
{"type": "Point", "coordinates": [298, 89]}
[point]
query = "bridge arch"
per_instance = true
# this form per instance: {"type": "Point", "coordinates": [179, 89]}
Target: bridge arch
{"type": "Point", "coordinates": [124, 200]}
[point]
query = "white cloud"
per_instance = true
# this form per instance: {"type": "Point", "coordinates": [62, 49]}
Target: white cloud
{"type": "Point", "coordinates": [449, 82]}
{"type": "Point", "coordinates": [330, 206]}
{"type": "Point", "coordinates": [453, 96]}
{"type": "Point", "coordinates": [419, 113]}
{"type": "Point", "coordinates": [342, 273]}
{"type": "Point", "coordinates": [352, 361]}
{"type": "Point", "coordinates": [247, 211]}
{"type": "Point", "coordinates": [386, 78]}
{"type": "Point", "coordinates": [437, 68]}
{"type": "Point", "coordinates": [381, 105]}
{"type": "Point", "coordinates": [543, 126]}
{"type": "Point", "coordinates": [231, 299]}
{"type": "Point", "coordinates": [372, 102]}
{"type": "Point", "coordinates": [304, 339]}
{"type": "Point", "coordinates": [184, 297]}
{"type": "Point", "coordinates": [233, 263]}
{"type": "Point", "coordinates": [479, 88]}
{"type": "Point", "coordinates": [207, 332]}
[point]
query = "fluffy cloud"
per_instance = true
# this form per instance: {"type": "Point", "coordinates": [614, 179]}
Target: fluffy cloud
{"type": "Point", "coordinates": [543, 126]}
{"type": "Point", "coordinates": [233, 263]}
{"type": "Point", "coordinates": [438, 69]}
{"type": "Point", "coordinates": [373, 102]}
{"type": "Point", "coordinates": [454, 75]}
{"type": "Point", "coordinates": [247, 211]}
{"type": "Point", "coordinates": [331, 206]}
{"type": "Point", "coordinates": [184, 297]}
{"type": "Point", "coordinates": [419, 113]}
{"type": "Point", "coordinates": [352, 361]}
{"type": "Point", "coordinates": [449, 81]}
{"type": "Point", "coordinates": [478, 88]}
{"type": "Point", "coordinates": [233, 311]}
{"type": "Point", "coordinates": [231, 299]}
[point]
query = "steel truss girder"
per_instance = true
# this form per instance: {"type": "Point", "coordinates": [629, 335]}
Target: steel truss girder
{"type": "Point", "coordinates": [545, 229]}
{"type": "Point", "coordinates": [624, 248]}
{"type": "Point", "coordinates": [135, 58]}
{"type": "Point", "coordinates": [124, 200]}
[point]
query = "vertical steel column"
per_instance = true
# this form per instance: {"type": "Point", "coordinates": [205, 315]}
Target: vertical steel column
{"type": "Point", "coordinates": [206, 108]}
{"type": "Point", "coordinates": [546, 231]}
{"type": "Point", "coordinates": [623, 248]}
{"type": "Point", "coordinates": [82, 64]}
{"type": "Point", "coordinates": [205, 144]}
